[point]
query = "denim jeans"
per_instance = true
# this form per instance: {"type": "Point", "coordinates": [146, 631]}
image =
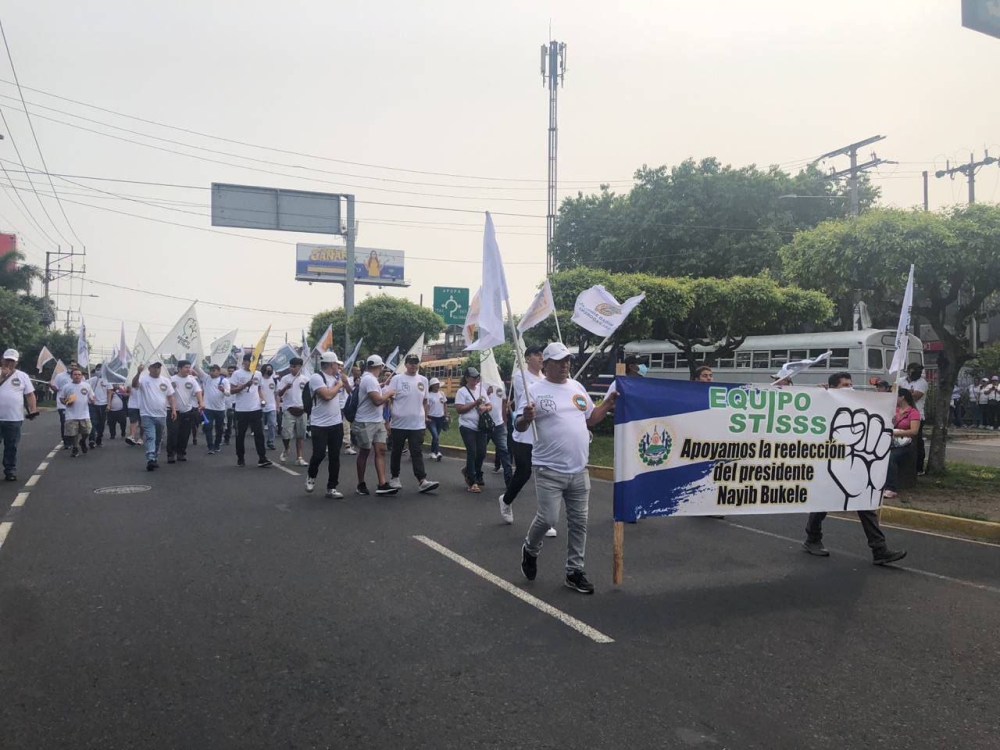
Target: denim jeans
{"type": "Point", "coordinates": [436, 426]}
{"type": "Point", "coordinates": [475, 454]}
{"type": "Point", "coordinates": [270, 426]}
{"type": "Point", "coordinates": [98, 419]}
{"type": "Point", "coordinates": [554, 488]}
{"type": "Point", "coordinates": [499, 438]}
{"type": "Point", "coordinates": [152, 430]}
{"type": "Point", "coordinates": [214, 428]}
{"type": "Point", "coordinates": [10, 435]}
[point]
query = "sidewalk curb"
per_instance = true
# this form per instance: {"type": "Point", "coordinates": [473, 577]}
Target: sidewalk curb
{"type": "Point", "coordinates": [915, 519]}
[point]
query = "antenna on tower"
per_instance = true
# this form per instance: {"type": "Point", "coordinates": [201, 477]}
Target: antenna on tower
{"type": "Point", "coordinates": [553, 63]}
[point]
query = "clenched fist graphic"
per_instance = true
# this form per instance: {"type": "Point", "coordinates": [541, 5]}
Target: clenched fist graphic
{"type": "Point", "coordinates": [868, 440]}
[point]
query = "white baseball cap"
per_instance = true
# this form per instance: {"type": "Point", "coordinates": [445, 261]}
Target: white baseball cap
{"type": "Point", "coordinates": [12, 354]}
{"type": "Point", "coordinates": [556, 350]}
{"type": "Point", "coordinates": [375, 361]}
{"type": "Point", "coordinates": [329, 358]}
{"type": "Point", "coordinates": [433, 382]}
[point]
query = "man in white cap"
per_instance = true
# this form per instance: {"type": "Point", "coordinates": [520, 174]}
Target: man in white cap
{"type": "Point", "coordinates": [15, 389]}
{"type": "Point", "coordinates": [246, 386]}
{"type": "Point", "coordinates": [57, 384]}
{"type": "Point", "coordinates": [294, 420]}
{"type": "Point", "coordinates": [563, 413]}
{"type": "Point", "coordinates": [437, 409]}
{"type": "Point", "coordinates": [409, 423]}
{"type": "Point", "coordinates": [157, 393]}
{"type": "Point", "coordinates": [99, 407]}
{"type": "Point", "coordinates": [328, 388]}
{"type": "Point", "coordinates": [368, 428]}
{"type": "Point", "coordinates": [77, 396]}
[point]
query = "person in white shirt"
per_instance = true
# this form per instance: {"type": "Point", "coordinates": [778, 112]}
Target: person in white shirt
{"type": "Point", "coordinates": [268, 386]}
{"type": "Point", "coordinates": [77, 396]}
{"type": "Point", "coordinates": [116, 410]}
{"type": "Point", "coordinates": [409, 423]}
{"type": "Point", "coordinates": [294, 419]}
{"type": "Point", "coordinates": [471, 404]}
{"type": "Point", "coordinates": [497, 395]}
{"type": "Point", "coordinates": [353, 379]}
{"type": "Point", "coordinates": [437, 420]}
{"type": "Point", "coordinates": [15, 389]}
{"type": "Point", "coordinates": [977, 400]}
{"type": "Point", "coordinates": [563, 414]}
{"type": "Point", "coordinates": [190, 407]}
{"type": "Point", "coordinates": [915, 383]}
{"type": "Point", "coordinates": [215, 392]}
{"type": "Point", "coordinates": [992, 392]}
{"type": "Point", "coordinates": [246, 387]}
{"type": "Point", "coordinates": [230, 406]}
{"type": "Point", "coordinates": [368, 428]}
{"type": "Point", "coordinates": [157, 399]}
{"type": "Point", "coordinates": [134, 417]}
{"type": "Point", "coordinates": [327, 388]}
{"type": "Point", "coordinates": [522, 441]}
{"type": "Point", "coordinates": [98, 407]}
{"type": "Point", "coordinates": [60, 380]}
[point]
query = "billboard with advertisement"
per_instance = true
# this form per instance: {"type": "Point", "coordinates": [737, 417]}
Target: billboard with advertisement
{"type": "Point", "coordinates": [373, 266]}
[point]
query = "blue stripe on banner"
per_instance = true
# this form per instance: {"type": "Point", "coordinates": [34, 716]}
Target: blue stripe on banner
{"type": "Point", "coordinates": [649, 398]}
{"type": "Point", "coordinates": [657, 493]}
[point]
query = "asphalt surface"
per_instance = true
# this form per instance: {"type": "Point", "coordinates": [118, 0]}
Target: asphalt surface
{"type": "Point", "coordinates": [225, 608]}
{"type": "Point", "coordinates": [982, 451]}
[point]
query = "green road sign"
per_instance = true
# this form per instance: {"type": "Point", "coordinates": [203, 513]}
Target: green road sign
{"type": "Point", "coordinates": [982, 15]}
{"type": "Point", "coordinates": [452, 304]}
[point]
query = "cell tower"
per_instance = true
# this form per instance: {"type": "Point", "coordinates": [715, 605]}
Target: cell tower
{"type": "Point", "coordinates": [553, 57]}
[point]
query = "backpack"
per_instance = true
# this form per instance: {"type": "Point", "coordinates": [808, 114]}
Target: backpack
{"type": "Point", "coordinates": [351, 407]}
{"type": "Point", "coordinates": [307, 399]}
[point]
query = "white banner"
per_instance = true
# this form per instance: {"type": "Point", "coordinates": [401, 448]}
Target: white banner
{"type": "Point", "coordinates": [221, 348]}
{"type": "Point", "coordinates": [600, 313]}
{"type": "Point", "coordinates": [184, 339]}
{"type": "Point", "coordinates": [142, 351]}
{"type": "Point", "coordinates": [541, 307]}
{"type": "Point", "coordinates": [903, 328]}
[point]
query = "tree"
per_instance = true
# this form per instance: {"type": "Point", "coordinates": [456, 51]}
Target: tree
{"type": "Point", "coordinates": [19, 323]}
{"type": "Point", "coordinates": [987, 361]}
{"type": "Point", "coordinates": [697, 219]}
{"type": "Point", "coordinates": [62, 344]}
{"type": "Point", "coordinates": [387, 322]}
{"type": "Point", "coordinates": [504, 355]}
{"type": "Point", "coordinates": [335, 318]}
{"type": "Point", "coordinates": [15, 276]}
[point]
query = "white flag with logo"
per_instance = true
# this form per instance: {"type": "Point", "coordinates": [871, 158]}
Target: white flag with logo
{"type": "Point", "coordinates": [471, 320]}
{"type": "Point", "coordinates": [58, 370]}
{"type": "Point", "coordinates": [492, 294]}
{"type": "Point", "coordinates": [184, 339]}
{"type": "Point", "coordinates": [392, 361]}
{"type": "Point", "coordinates": [44, 357]}
{"type": "Point", "coordinates": [488, 369]}
{"type": "Point", "coordinates": [349, 362]}
{"type": "Point", "coordinates": [142, 351]}
{"type": "Point", "coordinates": [123, 353]}
{"type": "Point", "coordinates": [82, 352]}
{"type": "Point", "coordinates": [541, 307]}
{"type": "Point", "coordinates": [222, 347]}
{"type": "Point", "coordinates": [417, 348]}
{"type": "Point", "coordinates": [600, 313]}
{"type": "Point", "coordinates": [903, 329]}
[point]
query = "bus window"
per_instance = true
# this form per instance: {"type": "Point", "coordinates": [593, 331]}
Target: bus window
{"type": "Point", "coordinates": [742, 360]}
{"type": "Point", "coordinates": [682, 363]}
{"type": "Point", "coordinates": [813, 353]}
{"type": "Point", "coordinates": [840, 359]}
{"type": "Point", "coordinates": [794, 355]}
{"type": "Point", "coordinates": [912, 356]}
{"type": "Point", "coordinates": [875, 359]}
{"type": "Point", "coordinates": [779, 357]}
{"type": "Point", "coordinates": [656, 360]}
{"type": "Point", "coordinates": [669, 361]}
{"type": "Point", "coordinates": [761, 360]}
{"type": "Point", "coordinates": [727, 363]}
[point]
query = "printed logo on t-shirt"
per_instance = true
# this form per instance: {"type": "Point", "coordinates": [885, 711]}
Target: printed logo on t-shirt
{"type": "Point", "coordinates": [270, 384]}
{"type": "Point", "coordinates": [302, 385]}
{"type": "Point", "coordinates": [547, 403]}
{"type": "Point", "coordinates": [404, 387]}
{"type": "Point", "coordinates": [580, 402]}
{"type": "Point", "coordinates": [15, 382]}
{"type": "Point", "coordinates": [163, 387]}
{"type": "Point", "coordinates": [189, 386]}
{"type": "Point", "coordinates": [84, 391]}
{"type": "Point", "coordinates": [420, 387]}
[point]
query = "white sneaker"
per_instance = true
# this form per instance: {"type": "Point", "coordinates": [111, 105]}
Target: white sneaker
{"type": "Point", "coordinates": [283, 457]}
{"type": "Point", "coordinates": [552, 532]}
{"type": "Point", "coordinates": [334, 494]}
{"type": "Point", "coordinates": [351, 452]}
{"type": "Point", "coordinates": [396, 484]}
{"type": "Point", "coordinates": [310, 484]}
{"type": "Point", "coordinates": [506, 511]}
{"type": "Point", "coordinates": [427, 485]}
{"type": "Point", "coordinates": [301, 462]}
{"type": "Point", "coordinates": [439, 456]}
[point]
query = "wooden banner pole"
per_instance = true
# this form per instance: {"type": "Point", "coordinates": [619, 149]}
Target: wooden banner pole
{"type": "Point", "coordinates": [618, 545]}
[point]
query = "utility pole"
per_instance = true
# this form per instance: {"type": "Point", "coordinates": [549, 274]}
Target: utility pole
{"type": "Point", "coordinates": [54, 271]}
{"type": "Point", "coordinates": [855, 170]}
{"type": "Point", "coordinates": [553, 57]}
{"type": "Point", "coordinates": [969, 170]}
{"type": "Point", "coordinates": [927, 203]}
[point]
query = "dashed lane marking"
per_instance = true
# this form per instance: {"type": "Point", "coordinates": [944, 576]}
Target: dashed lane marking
{"type": "Point", "coordinates": [42, 467]}
{"type": "Point", "coordinates": [287, 471]}
{"type": "Point", "coordinates": [21, 499]}
{"type": "Point", "coordinates": [4, 530]}
{"type": "Point", "coordinates": [32, 480]}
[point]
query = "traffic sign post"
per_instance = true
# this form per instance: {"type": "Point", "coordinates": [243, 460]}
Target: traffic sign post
{"type": "Point", "coordinates": [452, 304]}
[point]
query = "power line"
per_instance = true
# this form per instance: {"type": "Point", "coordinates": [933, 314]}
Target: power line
{"type": "Point", "coordinates": [200, 302]}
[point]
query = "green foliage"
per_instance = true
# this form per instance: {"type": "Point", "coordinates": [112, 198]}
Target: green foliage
{"type": "Point", "coordinates": [15, 276]}
{"type": "Point", "coordinates": [19, 321]}
{"type": "Point", "coordinates": [62, 344]}
{"type": "Point", "coordinates": [697, 219]}
{"type": "Point", "coordinates": [387, 322]}
{"type": "Point", "coordinates": [319, 324]}
{"type": "Point", "coordinates": [505, 360]}
{"type": "Point", "coordinates": [987, 361]}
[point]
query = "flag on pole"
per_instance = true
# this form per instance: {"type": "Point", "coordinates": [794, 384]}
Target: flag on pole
{"type": "Point", "coordinates": [58, 370]}
{"type": "Point", "coordinates": [417, 348]}
{"type": "Point", "coordinates": [903, 329]}
{"type": "Point", "coordinates": [392, 361]}
{"type": "Point", "coordinates": [44, 357]}
{"type": "Point", "coordinates": [259, 349]}
{"type": "Point", "coordinates": [791, 369]}
{"type": "Point", "coordinates": [184, 339]}
{"type": "Point", "coordinates": [471, 319]}
{"type": "Point", "coordinates": [541, 307]}
{"type": "Point", "coordinates": [281, 358]}
{"type": "Point", "coordinates": [142, 351]}
{"type": "Point", "coordinates": [222, 347]}
{"type": "Point", "coordinates": [349, 362]}
{"type": "Point", "coordinates": [600, 313]}
{"type": "Point", "coordinates": [488, 369]}
{"type": "Point", "coordinates": [82, 352]}
{"type": "Point", "coordinates": [115, 370]}
{"type": "Point", "coordinates": [123, 353]}
{"type": "Point", "coordinates": [307, 353]}
{"type": "Point", "coordinates": [325, 342]}
{"type": "Point", "coordinates": [492, 294]}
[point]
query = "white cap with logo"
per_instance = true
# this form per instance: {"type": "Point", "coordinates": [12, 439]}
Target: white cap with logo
{"type": "Point", "coordinates": [12, 354]}
{"type": "Point", "coordinates": [329, 358]}
{"type": "Point", "coordinates": [556, 350]}
{"type": "Point", "coordinates": [375, 361]}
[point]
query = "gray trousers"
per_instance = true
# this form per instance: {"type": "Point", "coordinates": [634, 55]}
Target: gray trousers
{"type": "Point", "coordinates": [554, 488]}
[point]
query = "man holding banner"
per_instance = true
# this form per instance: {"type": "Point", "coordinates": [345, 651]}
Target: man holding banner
{"type": "Point", "coordinates": [563, 413]}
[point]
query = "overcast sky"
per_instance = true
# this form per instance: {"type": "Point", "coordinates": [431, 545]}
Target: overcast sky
{"type": "Point", "coordinates": [450, 86]}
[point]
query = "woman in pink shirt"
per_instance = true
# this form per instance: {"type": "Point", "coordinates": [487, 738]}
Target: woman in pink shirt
{"type": "Point", "coordinates": [905, 425]}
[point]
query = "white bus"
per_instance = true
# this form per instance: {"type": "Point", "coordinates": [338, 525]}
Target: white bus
{"type": "Point", "coordinates": [865, 354]}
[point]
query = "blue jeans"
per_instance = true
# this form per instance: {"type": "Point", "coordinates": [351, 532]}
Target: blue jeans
{"type": "Point", "coordinates": [10, 434]}
{"type": "Point", "coordinates": [214, 428]}
{"type": "Point", "coordinates": [499, 438]}
{"type": "Point", "coordinates": [475, 454]}
{"type": "Point", "coordinates": [152, 430]}
{"type": "Point", "coordinates": [436, 425]}
{"type": "Point", "coordinates": [270, 425]}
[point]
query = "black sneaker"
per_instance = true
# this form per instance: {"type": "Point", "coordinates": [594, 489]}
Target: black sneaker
{"type": "Point", "coordinates": [75, 453]}
{"type": "Point", "coordinates": [887, 556]}
{"type": "Point", "coordinates": [10, 477]}
{"type": "Point", "coordinates": [93, 444]}
{"type": "Point", "coordinates": [264, 463]}
{"type": "Point", "coordinates": [83, 447]}
{"type": "Point", "coordinates": [241, 462]}
{"type": "Point", "coordinates": [578, 582]}
{"type": "Point", "coordinates": [815, 548]}
{"type": "Point", "coordinates": [363, 489]}
{"type": "Point", "coordinates": [529, 564]}
{"type": "Point", "coordinates": [171, 460]}
{"type": "Point", "coordinates": [386, 489]}
{"type": "Point", "coordinates": [182, 457]}
{"type": "Point", "coordinates": [150, 465]}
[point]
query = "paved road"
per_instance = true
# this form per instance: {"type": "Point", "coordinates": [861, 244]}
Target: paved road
{"type": "Point", "coordinates": [983, 451]}
{"type": "Point", "coordinates": [225, 608]}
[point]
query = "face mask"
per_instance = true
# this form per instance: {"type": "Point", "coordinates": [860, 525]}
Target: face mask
{"type": "Point", "coordinates": [642, 370]}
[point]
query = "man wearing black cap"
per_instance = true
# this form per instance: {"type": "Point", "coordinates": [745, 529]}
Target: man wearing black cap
{"type": "Point", "coordinates": [522, 441]}
{"type": "Point", "coordinates": [190, 407]}
{"type": "Point", "coordinates": [471, 403]}
{"type": "Point", "coordinates": [246, 387]}
{"type": "Point", "coordinates": [408, 422]}
{"type": "Point", "coordinates": [157, 394]}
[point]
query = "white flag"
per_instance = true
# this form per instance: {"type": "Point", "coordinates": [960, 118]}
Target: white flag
{"type": "Point", "coordinates": [123, 353]}
{"type": "Point", "coordinates": [492, 294]}
{"type": "Point", "coordinates": [471, 320]}
{"type": "Point", "coordinates": [82, 352]}
{"type": "Point", "coordinates": [44, 357]}
{"type": "Point", "coordinates": [791, 369]}
{"type": "Point", "coordinates": [184, 339]}
{"type": "Point", "coordinates": [142, 351]}
{"type": "Point", "coordinates": [392, 361]}
{"type": "Point", "coordinates": [417, 348]}
{"type": "Point", "coordinates": [58, 370]}
{"type": "Point", "coordinates": [221, 348]}
{"type": "Point", "coordinates": [600, 313]}
{"type": "Point", "coordinates": [541, 307]}
{"type": "Point", "coordinates": [903, 329]}
{"type": "Point", "coordinates": [307, 354]}
{"type": "Point", "coordinates": [488, 369]}
{"type": "Point", "coordinates": [349, 363]}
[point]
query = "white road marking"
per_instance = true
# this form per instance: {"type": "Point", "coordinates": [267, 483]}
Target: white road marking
{"type": "Point", "coordinates": [59, 445]}
{"type": "Point", "coordinates": [42, 467]}
{"type": "Point", "coordinates": [287, 471]}
{"type": "Point", "coordinates": [51, 455]}
{"type": "Point", "coordinates": [923, 531]}
{"type": "Point", "coordinates": [21, 499]}
{"type": "Point", "coordinates": [565, 619]}
{"type": "Point", "coordinates": [907, 568]}
{"type": "Point", "coordinates": [4, 530]}
{"type": "Point", "coordinates": [32, 480]}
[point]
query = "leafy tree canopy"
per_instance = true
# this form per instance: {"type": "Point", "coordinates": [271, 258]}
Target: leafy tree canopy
{"type": "Point", "coordinates": [387, 322]}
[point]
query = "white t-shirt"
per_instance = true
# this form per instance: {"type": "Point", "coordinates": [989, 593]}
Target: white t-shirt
{"type": "Point", "coordinates": [214, 398]}
{"type": "Point", "coordinates": [296, 384]}
{"type": "Point", "coordinates": [324, 413]}
{"type": "Point", "coordinates": [495, 394]}
{"type": "Point", "coordinates": [368, 410]}
{"type": "Point", "coordinates": [528, 436]}
{"type": "Point", "coordinates": [184, 390]}
{"type": "Point", "coordinates": [60, 380]}
{"type": "Point", "coordinates": [436, 404]}
{"type": "Point", "coordinates": [135, 399]}
{"type": "Point", "coordinates": [100, 388]}
{"type": "Point", "coordinates": [248, 400]}
{"type": "Point", "coordinates": [917, 385]}
{"type": "Point", "coordinates": [116, 403]}
{"type": "Point", "coordinates": [408, 404]}
{"type": "Point", "coordinates": [12, 394]}
{"type": "Point", "coordinates": [561, 413]}
{"type": "Point", "coordinates": [231, 398]}
{"type": "Point", "coordinates": [466, 396]}
{"type": "Point", "coordinates": [269, 385]}
{"type": "Point", "coordinates": [154, 395]}
{"type": "Point", "coordinates": [80, 408]}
